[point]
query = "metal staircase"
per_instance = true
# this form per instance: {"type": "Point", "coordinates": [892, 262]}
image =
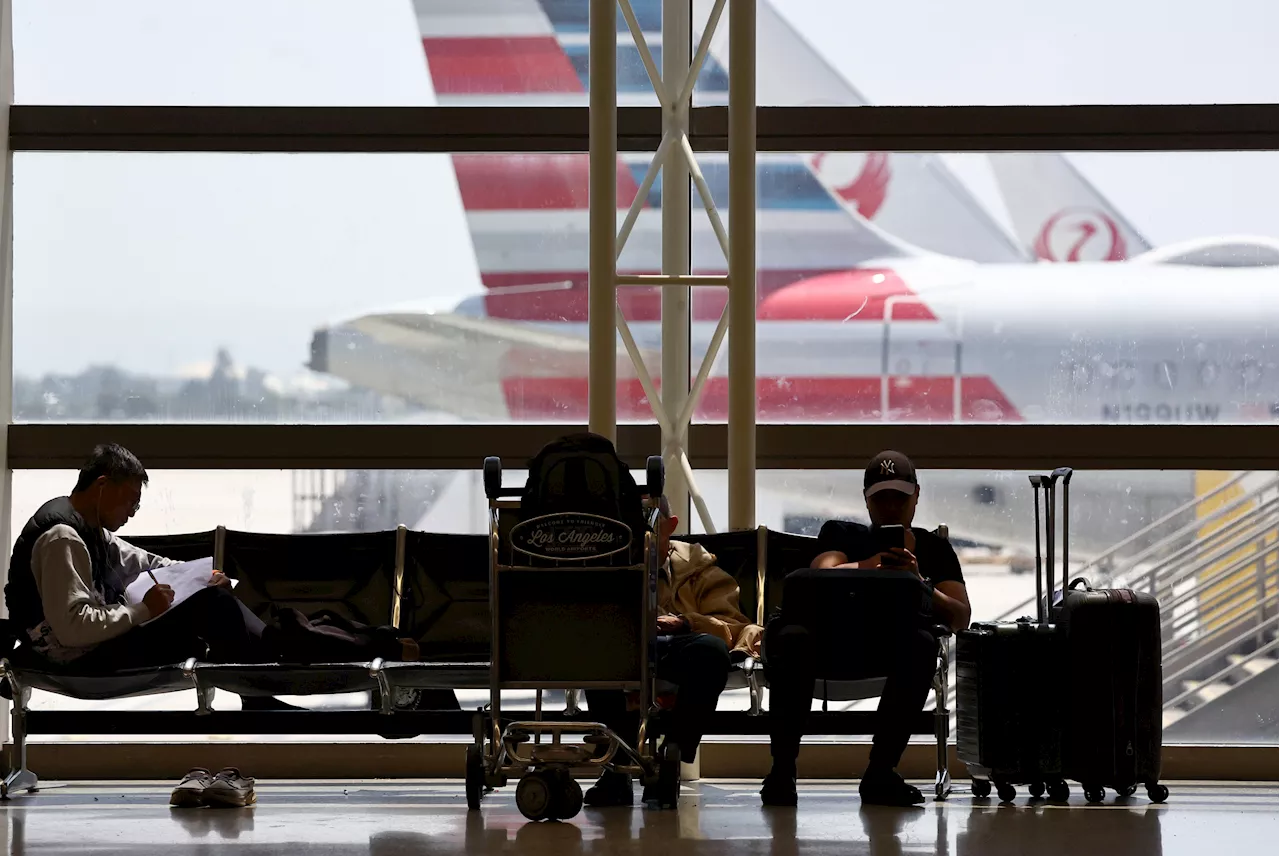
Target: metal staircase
{"type": "Point", "coordinates": [1212, 564]}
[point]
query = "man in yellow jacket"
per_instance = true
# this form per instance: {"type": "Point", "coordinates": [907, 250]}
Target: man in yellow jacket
{"type": "Point", "coordinates": [699, 623]}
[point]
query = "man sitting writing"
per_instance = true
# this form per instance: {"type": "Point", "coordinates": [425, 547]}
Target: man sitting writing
{"type": "Point", "coordinates": [891, 491]}
{"type": "Point", "coordinates": [699, 623]}
{"type": "Point", "coordinates": [69, 572]}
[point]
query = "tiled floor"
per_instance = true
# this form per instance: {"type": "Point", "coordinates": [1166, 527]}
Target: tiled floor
{"type": "Point", "coordinates": [715, 817]}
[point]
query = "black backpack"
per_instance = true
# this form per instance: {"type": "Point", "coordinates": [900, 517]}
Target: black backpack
{"type": "Point", "coordinates": [583, 473]}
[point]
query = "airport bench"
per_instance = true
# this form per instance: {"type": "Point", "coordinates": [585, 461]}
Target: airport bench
{"type": "Point", "coordinates": [432, 586]}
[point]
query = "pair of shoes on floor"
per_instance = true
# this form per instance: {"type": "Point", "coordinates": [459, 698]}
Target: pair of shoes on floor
{"type": "Point", "coordinates": [878, 787]}
{"type": "Point", "coordinates": [227, 789]}
{"type": "Point", "coordinates": [614, 789]}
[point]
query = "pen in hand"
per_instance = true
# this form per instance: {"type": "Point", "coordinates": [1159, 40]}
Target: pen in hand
{"type": "Point", "coordinates": [159, 597]}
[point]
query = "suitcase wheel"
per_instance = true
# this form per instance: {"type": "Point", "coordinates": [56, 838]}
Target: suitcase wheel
{"type": "Point", "coordinates": [1127, 791]}
{"type": "Point", "coordinates": [1157, 793]}
{"type": "Point", "coordinates": [1007, 792]}
{"type": "Point", "coordinates": [1036, 789]}
{"type": "Point", "coordinates": [981, 788]}
{"type": "Point", "coordinates": [1094, 794]}
{"type": "Point", "coordinates": [1059, 791]}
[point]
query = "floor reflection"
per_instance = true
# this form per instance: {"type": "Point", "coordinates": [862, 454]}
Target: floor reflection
{"type": "Point", "coordinates": [715, 819]}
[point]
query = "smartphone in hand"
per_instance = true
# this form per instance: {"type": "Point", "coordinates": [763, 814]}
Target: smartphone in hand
{"type": "Point", "coordinates": [888, 537]}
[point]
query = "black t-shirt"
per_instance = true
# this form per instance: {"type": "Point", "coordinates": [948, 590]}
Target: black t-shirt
{"type": "Point", "coordinates": [937, 559]}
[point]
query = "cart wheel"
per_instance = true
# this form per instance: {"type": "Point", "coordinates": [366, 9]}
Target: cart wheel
{"type": "Point", "coordinates": [1127, 791]}
{"type": "Point", "coordinates": [1059, 791]}
{"type": "Point", "coordinates": [1036, 790]}
{"type": "Point", "coordinates": [492, 476]}
{"type": "Point", "coordinates": [1157, 793]}
{"type": "Point", "coordinates": [1094, 794]}
{"type": "Point", "coordinates": [1006, 792]}
{"type": "Point", "coordinates": [534, 795]}
{"type": "Point", "coordinates": [981, 788]}
{"type": "Point", "coordinates": [567, 796]}
{"type": "Point", "coordinates": [475, 777]}
{"type": "Point", "coordinates": [655, 475]}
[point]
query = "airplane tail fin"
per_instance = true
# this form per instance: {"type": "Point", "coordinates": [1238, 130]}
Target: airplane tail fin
{"type": "Point", "coordinates": [912, 196]}
{"type": "Point", "coordinates": [1058, 215]}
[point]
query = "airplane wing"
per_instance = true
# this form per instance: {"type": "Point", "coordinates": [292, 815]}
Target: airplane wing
{"type": "Point", "coordinates": [465, 366]}
{"type": "Point", "coordinates": [1058, 215]}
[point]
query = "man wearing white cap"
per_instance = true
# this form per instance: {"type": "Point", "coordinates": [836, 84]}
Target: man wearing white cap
{"type": "Point", "coordinates": [892, 491]}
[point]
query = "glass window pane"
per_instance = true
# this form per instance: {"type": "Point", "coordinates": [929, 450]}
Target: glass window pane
{"type": "Point", "coordinates": [828, 52]}
{"type": "Point", "coordinates": [237, 52]}
{"type": "Point", "coordinates": [346, 52]}
{"type": "Point", "coordinates": [1006, 287]}
{"type": "Point", "coordinates": [287, 288]}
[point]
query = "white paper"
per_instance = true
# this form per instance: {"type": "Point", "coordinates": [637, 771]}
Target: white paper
{"type": "Point", "coordinates": [185, 578]}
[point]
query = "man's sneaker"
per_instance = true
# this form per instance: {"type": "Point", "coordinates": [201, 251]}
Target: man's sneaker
{"type": "Point", "coordinates": [611, 789]}
{"type": "Point", "coordinates": [229, 789]}
{"type": "Point", "coordinates": [190, 791]}
{"type": "Point", "coordinates": [779, 790]}
{"type": "Point", "coordinates": [888, 788]}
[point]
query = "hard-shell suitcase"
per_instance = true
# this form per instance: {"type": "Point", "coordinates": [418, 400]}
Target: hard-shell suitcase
{"type": "Point", "coordinates": [1007, 726]}
{"type": "Point", "coordinates": [1111, 641]}
{"type": "Point", "coordinates": [1009, 689]}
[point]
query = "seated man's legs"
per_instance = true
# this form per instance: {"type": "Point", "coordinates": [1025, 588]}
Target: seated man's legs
{"type": "Point", "coordinates": [698, 664]}
{"type": "Point", "coordinates": [908, 665]}
{"type": "Point", "coordinates": [908, 681]}
{"type": "Point", "coordinates": [790, 665]}
{"type": "Point", "coordinates": [211, 625]}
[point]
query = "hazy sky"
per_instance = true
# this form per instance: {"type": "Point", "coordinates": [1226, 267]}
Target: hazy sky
{"type": "Point", "coordinates": [152, 261]}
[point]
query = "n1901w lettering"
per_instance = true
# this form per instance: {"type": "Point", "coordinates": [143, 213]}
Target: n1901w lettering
{"type": "Point", "coordinates": [1145, 412]}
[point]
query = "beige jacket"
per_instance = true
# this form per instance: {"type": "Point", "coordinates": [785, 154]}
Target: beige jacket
{"type": "Point", "coordinates": [691, 585]}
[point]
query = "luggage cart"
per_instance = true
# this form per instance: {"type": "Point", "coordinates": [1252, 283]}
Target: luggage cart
{"type": "Point", "coordinates": [573, 605]}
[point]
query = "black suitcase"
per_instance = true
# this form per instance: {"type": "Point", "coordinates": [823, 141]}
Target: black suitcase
{"type": "Point", "coordinates": [1114, 710]}
{"type": "Point", "coordinates": [1009, 691]}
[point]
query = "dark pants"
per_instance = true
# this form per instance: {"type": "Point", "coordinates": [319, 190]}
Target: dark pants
{"type": "Point", "coordinates": [698, 664]}
{"type": "Point", "coordinates": [792, 665]}
{"type": "Point", "coordinates": [211, 625]}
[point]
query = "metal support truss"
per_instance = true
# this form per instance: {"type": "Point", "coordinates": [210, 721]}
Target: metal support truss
{"type": "Point", "coordinates": [673, 406]}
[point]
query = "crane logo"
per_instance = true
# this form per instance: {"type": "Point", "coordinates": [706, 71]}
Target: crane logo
{"type": "Point", "coordinates": [1080, 235]}
{"type": "Point", "coordinates": [859, 179]}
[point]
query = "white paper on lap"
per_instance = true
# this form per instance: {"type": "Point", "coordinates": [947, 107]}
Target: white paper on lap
{"type": "Point", "coordinates": [185, 578]}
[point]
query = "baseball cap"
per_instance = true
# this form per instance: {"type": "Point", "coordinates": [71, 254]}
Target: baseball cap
{"type": "Point", "coordinates": [890, 471]}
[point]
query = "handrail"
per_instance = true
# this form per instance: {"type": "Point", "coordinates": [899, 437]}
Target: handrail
{"type": "Point", "coordinates": [1186, 506]}
{"type": "Point", "coordinates": [1168, 606]}
{"type": "Point", "coordinates": [1220, 646]}
{"type": "Point", "coordinates": [1227, 534]}
{"type": "Point", "coordinates": [1224, 601]}
{"type": "Point", "coordinates": [1174, 577]}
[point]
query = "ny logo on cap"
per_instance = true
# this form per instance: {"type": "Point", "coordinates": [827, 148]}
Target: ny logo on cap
{"type": "Point", "coordinates": [886, 468]}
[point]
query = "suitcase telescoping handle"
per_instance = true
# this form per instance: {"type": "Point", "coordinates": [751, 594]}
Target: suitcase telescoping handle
{"type": "Point", "coordinates": [1050, 484]}
{"type": "Point", "coordinates": [1050, 537]}
{"type": "Point", "coordinates": [1036, 483]}
{"type": "Point", "coordinates": [1064, 473]}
